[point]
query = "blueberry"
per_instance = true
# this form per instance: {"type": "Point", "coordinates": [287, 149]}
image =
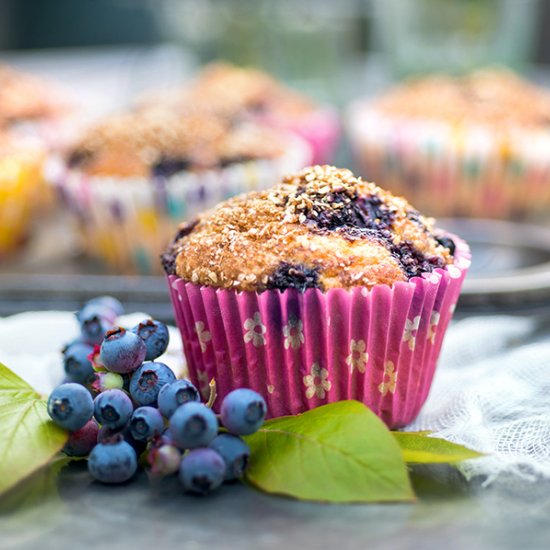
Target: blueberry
{"type": "Point", "coordinates": [297, 276]}
{"type": "Point", "coordinates": [235, 453]}
{"type": "Point", "coordinates": [155, 335]}
{"type": "Point", "coordinates": [148, 380]}
{"type": "Point", "coordinates": [81, 442]}
{"type": "Point", "coordinates": [448, 243]}
{"type": "Point", "coordinates": [112, 435]}
{"type": "Point", "coordinates": [122, 351]}
{"type": "Point", "coordinates": [70, 406]}
{"type": "Point", "coordinates": [243, 411]}
{"type": "Point", "coordinates": [113, 408]}
{"type": "Point", "coordinates": [107, 381]}
{"type": "Point", "coordinates": [202, 471]}
{"type": "Point", "coordinates": [164, 459]}
{"type": "Point", "coordinates": [146, 423]}
{"type": "Point", "coordinates": [175, 394]}
{"type": "Point", "coordinates": [95, 320]}
{"type": "Point", "coordinates": [112, 462]}
{"type": "Point", "coordinates": [109, 302]}
{"type": "Point", "coordinates": [193, 425]}
{"type": "Point", "coordinates": [76, 363]}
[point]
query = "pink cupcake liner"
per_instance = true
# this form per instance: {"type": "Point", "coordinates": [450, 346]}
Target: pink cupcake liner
{"type": "Point", "coordinates": [321, 129]}
{"type": "Point", "coordinates": [301, 350]}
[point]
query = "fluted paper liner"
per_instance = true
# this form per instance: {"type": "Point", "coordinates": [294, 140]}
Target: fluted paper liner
{"type": "Point", "coordinates": [301, 350]}
{"type": "Point", "coordinates": [454, 170]}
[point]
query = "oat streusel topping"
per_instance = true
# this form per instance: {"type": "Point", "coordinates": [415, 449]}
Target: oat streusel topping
{"type": "Point", "coordinates": [320, 228]}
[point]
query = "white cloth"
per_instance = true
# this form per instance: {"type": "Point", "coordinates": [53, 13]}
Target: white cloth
{"type": "Point", "coordinates": [491, 390]}
{"type": "Point", "coordinates": [31, 343]}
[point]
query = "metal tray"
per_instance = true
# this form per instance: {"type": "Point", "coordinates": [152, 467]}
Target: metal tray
{"type": "Point", "coordinates": [510, 265]}
{"type": "Point", "coordinates": [510, 272]}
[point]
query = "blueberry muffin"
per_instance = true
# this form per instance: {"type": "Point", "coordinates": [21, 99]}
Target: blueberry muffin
{"type": "Point", "coordinates": [25, 98]}
{"type": "Point", "coordinates": [245, 93]}
{"type": "Point", "coordinates": [31, 106]}
{"type": "Point", "coordinates": [131, 177]}
{"type": "Point", "coordinates": [321, 288]}
{"type": "Point", "coordinates": [475, 145]}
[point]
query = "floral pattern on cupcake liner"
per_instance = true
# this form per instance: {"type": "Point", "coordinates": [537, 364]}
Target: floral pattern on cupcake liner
{"type": "Point", "coordinates": [255, 330]}
{"type": "Point", "coordinates": [293, 333]}
{"type": "Point", "coordinates": [317, 382]}
{"type": "Point", "coordinates": [380, 347]}
{"type": "Point", "coordinates": [389, 381]}
{"type": "Point", "coordinates": [358, 356]}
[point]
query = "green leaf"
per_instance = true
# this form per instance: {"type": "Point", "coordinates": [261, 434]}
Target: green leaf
{"type": "Point", "coordinates": [420, 448]}
{"type": "Point", "coordinates": [340, 452]}
{"type": "Point", "coordinates": [28, 438]}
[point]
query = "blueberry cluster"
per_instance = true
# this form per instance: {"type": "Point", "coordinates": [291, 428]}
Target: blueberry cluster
{"type": "Point", "coordinates": [119, 404]}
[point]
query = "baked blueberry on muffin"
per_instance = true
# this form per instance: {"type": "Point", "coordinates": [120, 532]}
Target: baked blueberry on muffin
{"type": "Point", "coordinates": [323, 287]}
{"type": "Point", "coordinates": [241, 93]}
{"type": "Point", "coordinates": [475, 145]}
{"type": "Point", "coordinates": [133, 176]}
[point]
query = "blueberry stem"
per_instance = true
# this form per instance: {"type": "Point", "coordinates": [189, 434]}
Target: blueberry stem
{"type": "Point", "coordinates": [213, 394]}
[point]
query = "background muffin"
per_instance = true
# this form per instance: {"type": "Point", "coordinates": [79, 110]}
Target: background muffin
{"type": "Point", "coordinates": [246, 93]}
{"type": "Point", "coordinates": [475, 145]}
{"type": "Point", "coordinates": [133, 176]}
{"type": "Point", "coordinates": [21, 163]}
{"type": "Point", "coordinates": [34, 108]}
{"type": "Point", "coordinates": [321, 288]}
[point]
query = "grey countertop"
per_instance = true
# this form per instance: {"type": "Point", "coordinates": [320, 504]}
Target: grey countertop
{"type": "Point", "coordinates": [448, 515]}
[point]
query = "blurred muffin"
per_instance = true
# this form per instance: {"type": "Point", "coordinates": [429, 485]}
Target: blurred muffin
{"type": "Point", "coordinates": [476, 145]}
{"type": "Point", "coordinates": [322, 288]}
{"type": "Point", "coordinates": [250, 94]}
{"type": "Point", "coordinates": [133, 176]}
{"type": "Point", "coordinates": [21, 163]}
{"type": "Point", "coordinates": [35, 107]}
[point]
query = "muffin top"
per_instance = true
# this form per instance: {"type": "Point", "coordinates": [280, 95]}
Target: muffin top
{"type": "Point", "coordinates": [24, 97]}
{"type": "Point", "coordinates": [237, 92]}
{"type": "Point", "coordinates": [156, 141]}
{"type": "Point", "coordinates": [491, 97]}
{"type": "Point", "coordinates": [320, 228]}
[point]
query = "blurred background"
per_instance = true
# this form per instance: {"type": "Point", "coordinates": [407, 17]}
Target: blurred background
{"type": "Point", "coordinates": [106, 53]}
{"type": "Point", "coordinates": [329, 49]}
